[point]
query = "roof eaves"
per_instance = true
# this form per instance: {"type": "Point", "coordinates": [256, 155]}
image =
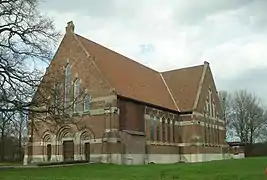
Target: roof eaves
{"type": "Point", "coordinates": [147, 103]}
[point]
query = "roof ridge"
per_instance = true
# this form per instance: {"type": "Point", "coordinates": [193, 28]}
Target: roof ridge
{"type": "Point", "coordinates": [184, 68]}
{"type": "Point", "coordinates": [140, 64]}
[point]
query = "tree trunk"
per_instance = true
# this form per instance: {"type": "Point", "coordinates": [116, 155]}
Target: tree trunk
{"type": "Point", "coordinates": [2, 146]}
{"type": "Point", "coordinates": [20, 143]}
{"type": "Point", "coordinates": [251, 137]}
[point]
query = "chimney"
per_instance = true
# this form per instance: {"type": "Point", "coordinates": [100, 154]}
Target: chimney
{"type": "Point", "coordinates": [70, 27]}
{"type": "Point", "coordinates": [206, 63]}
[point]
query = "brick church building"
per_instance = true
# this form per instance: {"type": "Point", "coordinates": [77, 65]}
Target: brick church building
{"type": "Point", "coordinates": [128, 113]}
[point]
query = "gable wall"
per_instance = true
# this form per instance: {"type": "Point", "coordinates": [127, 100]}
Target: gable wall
{"type": "Point", "coordinates": [82, 67]}
{"type": "Point", "coordinates": [216, 124]}
{"type": "Point", "coordinates": [208, 83]}
{"type": "Point", "coordinates": [96, 122]}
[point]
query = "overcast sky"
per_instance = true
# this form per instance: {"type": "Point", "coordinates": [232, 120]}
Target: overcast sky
{"type": "Point", "coordinates": [169, 34]}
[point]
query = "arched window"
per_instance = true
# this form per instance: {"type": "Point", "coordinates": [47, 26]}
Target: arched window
{"type": "Point", "coordinates": [163, 130]}
{"type": "Point", "coordinates": [213, 110]}
{"type": "Point", "coordinates": [218, 131]}
{"type": "Point", "coordinates": [86, 103]}
{"type": "Point", "coordinates": [57, 97]}
{"type": "Point", "coordinates": [168, 130]}
{"type": "Point", "coordinates": [68, 73]}
{"type": "Point", "coordinates": [173, 131]}
{"type": "Point", "coordinates": [209, 134]}
{"type": "Point", "coordinates": [67, 85]}
{"type": "Point", "coordinates": [210, 103]}
{"type": "Point", "coordinates": [76, 92]}
{"type": "Point", "coordinates": [152, 128]}
{"type": "Point", "coordinates": [158, 129]}
{"type": "Point", "coordinates": [207, 108]}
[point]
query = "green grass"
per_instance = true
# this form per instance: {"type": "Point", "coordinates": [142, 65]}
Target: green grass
{"type": "Point", "coordinates": [10, 164]}
{"type": "Point", "coordinates": [245, 169]}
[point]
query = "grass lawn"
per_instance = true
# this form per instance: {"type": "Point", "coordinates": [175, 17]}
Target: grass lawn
{"type": "Point", "coordinates": [249, 169]}
{"type": "Point", "coordinates": [10, 164]}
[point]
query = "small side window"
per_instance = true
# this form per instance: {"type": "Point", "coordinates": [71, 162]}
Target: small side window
{"type": "Point", "coordinates": [86, 103]}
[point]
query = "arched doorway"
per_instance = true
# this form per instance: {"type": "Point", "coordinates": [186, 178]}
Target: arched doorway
{"type": "Point", "coordinates": [47, 147]}
{"type": "Point", "coordinates": [49, 151]}
{"type": "Point", "coordinates": [68, 150]}
{"type": "Point", "coordinates": [87, 151]}
{"type": "Point", "coordinates": [66, 146]}
{"type": "Point", "coordinates": [85, 145]}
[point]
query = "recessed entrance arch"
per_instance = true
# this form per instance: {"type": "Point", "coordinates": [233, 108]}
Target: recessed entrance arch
{"type": "Point", "coordinates": [47, 146]}
{"type": "Point", "coordinates": [66, 137]}
{"type": "Point", "coordinates": [87, 151]}
{"type": "Point", "coordinates": [85, 138]}
{"type": "Point", "coordinates": [68, 150]}
{"type": "Point", "coordinates": [49, 151]}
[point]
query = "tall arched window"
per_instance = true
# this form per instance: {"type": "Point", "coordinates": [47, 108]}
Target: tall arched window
{"type": "Point", "coordinates": [86, 103]}
{"type": "Point", "coordinates": [76, 92]}
{"type": "Point", "coordinates": [67, 85]}
{"type": "Point", "coordinates": [158, 129]}
{"type": "Point", "coordinates": [210, 103]}
{"type": "Point", "coordinates": [168, 130]}
{"type": "Point", "coordinates": [57, 97]}
{"type": "Point", "coordinates": [207, 107]}
{"type": "Point", "coordinates": [163, 130]}
{"type": "Point", "coordinates": [213, 110]}
{"type": "Point", "coordinates": [68, 73]}
{"type": "Point", "coordinates": [173, 131]}
{"type": "Point", "coordinates": [205, 124]}
{"type": "Point", "coordinates": [152, 127]}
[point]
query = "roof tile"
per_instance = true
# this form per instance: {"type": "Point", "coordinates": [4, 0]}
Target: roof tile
{"type": "Point", "coordinates": [130, 78]}
{"type": "Point", "coordinates": [183, 84]}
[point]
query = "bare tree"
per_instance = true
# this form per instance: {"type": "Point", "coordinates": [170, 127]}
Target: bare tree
{"type": "Point", "coordinates": [225, 99]}
{"type": "Point", "coordinates": [248, 117]}
{"type": "Point", "coordinates": [20, 133]}
{"type": "Point", "coordinates": [26, 38]}
{"type": "Point", "coordinates": [12, 130]}
{"type": "Point", "coordinates": [6, 125]}
{"type": "Point", "coordinates": [5, 129]}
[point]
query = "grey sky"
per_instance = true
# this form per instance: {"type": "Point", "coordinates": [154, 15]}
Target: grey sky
{"type": "Point", "coordinates": [230, 34]}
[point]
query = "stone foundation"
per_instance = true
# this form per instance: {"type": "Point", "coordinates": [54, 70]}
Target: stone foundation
{"type": "Point", "coordinates": [138, 159]}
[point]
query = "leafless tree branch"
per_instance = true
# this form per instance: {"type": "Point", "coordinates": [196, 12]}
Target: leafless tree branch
{"type": "Point", "coordinates": [244, 114]}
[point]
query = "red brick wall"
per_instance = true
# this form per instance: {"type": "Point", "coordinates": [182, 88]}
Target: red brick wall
{"type": "Point", "coordinates": [131, 115]}
{"type": "Point", "coordinates": [92, 82]}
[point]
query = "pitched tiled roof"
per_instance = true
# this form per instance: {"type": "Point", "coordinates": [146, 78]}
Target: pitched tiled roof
{"type": "Point", "coordinates": [183, 84]}
{"type": "Point", "coordinates": [175, 90]}
{"type": "Point", "coordinates": [129, 78]}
